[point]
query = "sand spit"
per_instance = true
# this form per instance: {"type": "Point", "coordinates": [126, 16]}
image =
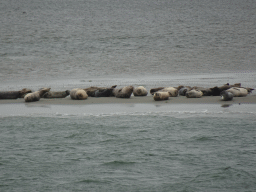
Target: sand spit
{"type": "Point", "coordinates": [250, 99]}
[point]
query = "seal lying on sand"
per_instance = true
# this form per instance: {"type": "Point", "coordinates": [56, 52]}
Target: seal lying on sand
{"type": "Point", "coordinates": [91, 90]}
{"type": "Point", "coordinates": [140, 91]}
{"type": "Point", "coordinates": [194, 93]}
{"type": "Point", "coordinates": [215, 91]}
{"type": "Point", "coordinates": [171, 90]}
{"type": "Point", "coordinates": [14, 94]}
{"type": "Point", "coordinates": [238, 92]}
{"type": "Point", "coordinates": [35, 96]}
{"type": "Point", "coordinates": [124, 92]}
{"type": "Point", "coordinates": [183, 90]}
{"type": "Point", "coordinates": [78, 94]}
{"type": "Point", "coordinates": [153, 90]}
{"type": "Point", "coordinates": [56, 94]}
{"type": "Point", "coordinates": [226, 96]}
{"type": "Point", "coordinates": [160, 96]}
{"type": "Point", "coordinates": [103, 93]}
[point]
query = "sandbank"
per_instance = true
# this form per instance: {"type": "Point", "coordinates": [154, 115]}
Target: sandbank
{"type": "Point", "coordinates": [250, 99]}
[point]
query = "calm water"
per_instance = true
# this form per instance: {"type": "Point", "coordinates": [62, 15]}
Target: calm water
{"type": "Point", "coordinates": [141, 147]}
{"type": "Point", "coordinates": [128, 152]}
{"type": "Point", "coordinates": [67, 44]}
{"type": "Point", "coordinates": [64, 39]}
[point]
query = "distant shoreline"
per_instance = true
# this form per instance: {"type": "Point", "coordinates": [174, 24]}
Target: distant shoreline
{"type": "Point", "coordinates": [250, 99]}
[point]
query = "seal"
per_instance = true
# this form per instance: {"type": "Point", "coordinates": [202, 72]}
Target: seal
{"type": "Point", "coordinates": [226, 96]}
{"type": "Point", "coordinates": [78, 94]}
{"type": "Point", "coordinates": [91, 90]}
{"type": "Point", "coordinates": [153, 90]}
{"type": "Point", "coordinates": [56, 94]}
{"type": "Point", "coordinates": [160, 96]}
{"type": "Point", "coordinates": [171, 90]}
{"type": "Point", "coordinates": [194, 93]}
{"type": "Point", "coordinates": [249, 90]}
{"type": "Point", "coordinates": [205, 91]}
{"type": "Point", "coordinates": [124, 92]}
{"type": "Point", "coordinates": [35, 96]}
{"type": "Point", "coordinates": [180, 86]}
{"type": "Point", "coordinates": [183, 91]}
{"type": "Point", "coordinates": [216, 91]}
{"type": "Point", "coordinates": [238, 92]}
{"type": "Point", "coordinates": [140, 91]}
{"type": "Point", "coordinates": [14, 94]}
{"type": "Point", "coordinates": [103, 93]}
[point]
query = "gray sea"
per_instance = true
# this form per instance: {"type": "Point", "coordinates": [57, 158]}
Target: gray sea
{"type": "Point", "coordinates": [65, 44]}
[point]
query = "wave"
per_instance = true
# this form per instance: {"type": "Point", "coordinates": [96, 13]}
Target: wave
{"type": "Point", "coordinates": [119, 163]}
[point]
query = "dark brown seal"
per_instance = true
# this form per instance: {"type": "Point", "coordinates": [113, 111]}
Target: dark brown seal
{"type": "Point", "coordinates": [124, 92]}
{"type": "Point", "coordinates": [153, 90]}
{"type": "Point", "coordinates": [91, 90]}
{"type": "Point", "coordinates": [14, 94]}
{"type": "Point", "coordinates": [56, 94]}
{"type": "Point", "coordinates": [103, 93]}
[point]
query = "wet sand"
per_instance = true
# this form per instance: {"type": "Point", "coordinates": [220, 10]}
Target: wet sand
{"type": "Point", "coordinates": [250, 99]}
{"type": "Point", "coordinates": [175, 106]}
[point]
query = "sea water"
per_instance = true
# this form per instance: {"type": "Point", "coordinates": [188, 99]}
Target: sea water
{"type": "Point", "coordinates": [65, 44]}
{"type": "Point", "coordinates": [82, 39]}
{"type": "Point", "coordinates": [128, 147]}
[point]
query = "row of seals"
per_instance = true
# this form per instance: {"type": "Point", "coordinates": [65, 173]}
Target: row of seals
{"type": "Point", "coordinates": [227, 92]}
{"type": "Point", "coordinates": [125, 92]}
{"type": "Point", "coordinates": [75, 94]}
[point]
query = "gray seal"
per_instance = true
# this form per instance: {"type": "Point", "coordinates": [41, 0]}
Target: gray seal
{"type": "Point", "coordinates": [226, 96]}
{"type": "Point", "coordinates": [183, 91]}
